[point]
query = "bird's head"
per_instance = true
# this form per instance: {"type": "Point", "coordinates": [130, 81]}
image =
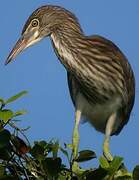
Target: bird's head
{"type": "Point", "coordinates": [40, 24]}
{"type": "Point", "coordinates": [33, 31]}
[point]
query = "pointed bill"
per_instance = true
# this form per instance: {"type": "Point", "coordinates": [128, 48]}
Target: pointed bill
{"type": "Point", "coordinates": [24, 42]}
{"type": "Point", "coordinates": [19, 47]}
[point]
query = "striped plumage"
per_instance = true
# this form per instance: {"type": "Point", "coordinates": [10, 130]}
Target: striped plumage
{"type": "Point", "coordinates": [97, 67]}
{"type": "Point", "coordinates": [100, 79]}
{"type": "Point", "coordinates": [105, 73]}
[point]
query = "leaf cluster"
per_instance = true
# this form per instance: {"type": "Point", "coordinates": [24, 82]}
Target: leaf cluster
{"type": "Point", "coordinates": [43, 160]}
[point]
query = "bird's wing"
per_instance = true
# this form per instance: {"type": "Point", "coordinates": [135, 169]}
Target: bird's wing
{"type": "Point", "coordinates": [112, 51]}
{"type": "Point", "coordinates": [117, 58]}
{"type": "Point", "coordinates": [127, 73]}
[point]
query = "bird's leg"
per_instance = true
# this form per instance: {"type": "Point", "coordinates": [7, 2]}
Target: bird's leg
{"type": "Point", "coordinates": [75, 136]}
{"type": "Point", "coordinates": [106, 148]}
{"type": "Point", "coordinates": [108, 131]}
{"type": "Point", "coordinates": [75, 144]}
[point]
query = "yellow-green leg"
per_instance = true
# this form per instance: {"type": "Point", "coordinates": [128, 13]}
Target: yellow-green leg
{"type": "Point", "coordinates": [106, 149]}
{"type": "Point", "coordinates": [108, 131]}
{"type": "Point", "coordinates": [75, 136]}
{"type": "Point", "coordinates": [75, 144]}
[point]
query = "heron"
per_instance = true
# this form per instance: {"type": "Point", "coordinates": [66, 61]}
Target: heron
{"type": "Point", "coordinates": [100, 79]}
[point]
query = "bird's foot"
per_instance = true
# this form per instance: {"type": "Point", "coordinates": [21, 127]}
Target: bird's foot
{"type": "Point", "coordinates": [108, 155]}
{"type": "Point", "coordinates": [76, 168]}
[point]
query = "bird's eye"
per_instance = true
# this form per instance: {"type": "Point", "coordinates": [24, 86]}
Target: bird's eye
{"type": "Point", "coordinates": [35, 22]}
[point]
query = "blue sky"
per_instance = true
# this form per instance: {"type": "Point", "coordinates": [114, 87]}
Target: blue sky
{"type": "Point", "coordinates": [37, 70]}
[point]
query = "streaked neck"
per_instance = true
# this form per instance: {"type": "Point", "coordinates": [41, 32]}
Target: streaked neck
{"type": "Point", "coordinates": [66, 47]}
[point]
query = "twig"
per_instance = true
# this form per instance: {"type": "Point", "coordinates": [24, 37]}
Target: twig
{"type": "Point", "coordinates": [18, 129]}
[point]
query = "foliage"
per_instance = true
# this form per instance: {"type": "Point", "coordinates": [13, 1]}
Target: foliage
{"type": "Point", "coordinates": [41, 161]}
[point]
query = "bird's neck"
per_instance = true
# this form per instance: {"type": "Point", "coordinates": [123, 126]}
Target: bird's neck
{"type": "Point", "coordinates": [66, 47]}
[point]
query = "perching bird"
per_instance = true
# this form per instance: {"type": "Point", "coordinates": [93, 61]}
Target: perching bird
{"type": "Point", "coordinates": [100, 79]}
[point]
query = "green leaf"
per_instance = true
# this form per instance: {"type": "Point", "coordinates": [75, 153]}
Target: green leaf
{"type": "Point", "coordinates": [19, 113]}
{"type": "Point", "coordinates": [52, 166]}
{"type": "Point", "coordinates": [98, 174]}
{"type": "Point", "coordinates": [5, 152]}
{"type": "Point", "coordinates": [55, 148]}
{"type": "Point", "coordinates": [65, 153]}
{"type": "Point", "coordinates": [6, 115]}
{"type": "Point", "coordinates": [37, 152]}
{"type": "Point", "coordinates": [5, 137]}
{"type": "Point", "coordinates": [69, 146]}
{"type": "Point", "coordinates": [115, 164]}
{"type": "Point", "coordinates": [103, 163]}
{"type": "Point", "coordinates": [2, 101]}
{"type": "Point", "coordinates": [123, 174]}
{"type": "Point", "coordinates": [136, 173]}
{"type": "Point", "coordinates": [42, 144]}
{"type": "Point", "coordinates": [17, 96]}
{"type": "Point", "coordinates": [65, 175]}
{"type": "Point", "coordinates": [124, 178]}
{"type": "Point", "coordinates": [86, 155]}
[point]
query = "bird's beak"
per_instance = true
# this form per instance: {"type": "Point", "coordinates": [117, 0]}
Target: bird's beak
{"type": "Point", "coordinates": [24, 42]}
{"type": "Point", "coordinates": [19, 46]}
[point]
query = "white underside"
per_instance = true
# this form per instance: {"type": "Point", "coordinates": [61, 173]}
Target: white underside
{"type": "Point", "coordinates": [98, 115]}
